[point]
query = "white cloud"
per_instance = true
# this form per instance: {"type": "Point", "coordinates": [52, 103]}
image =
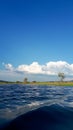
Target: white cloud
{"type": "Point", "coordinates": [33, 68]}
{"type": "Point", "coordinates": [9, 67]}
{"type": "Point", "coordinates": [50, 68]}
{"type": "Point", "coordinates": [36, 71]}
{"type": "Point", "coordinates": [59, 66]}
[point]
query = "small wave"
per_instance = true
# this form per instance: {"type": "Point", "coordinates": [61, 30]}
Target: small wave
{"type": "Point", "coordinates": [54, 117]}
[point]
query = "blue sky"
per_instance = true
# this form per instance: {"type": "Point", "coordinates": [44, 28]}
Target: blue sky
{"type": "Point", "coordinates": [35, 31]}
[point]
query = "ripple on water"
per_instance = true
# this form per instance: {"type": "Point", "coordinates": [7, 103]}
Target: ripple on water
{"type": "Point", "coordinates": [29, 97]}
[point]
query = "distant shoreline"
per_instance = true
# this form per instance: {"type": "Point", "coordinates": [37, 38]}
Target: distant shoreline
{"type": "Point", "coordinates": [48, 83]}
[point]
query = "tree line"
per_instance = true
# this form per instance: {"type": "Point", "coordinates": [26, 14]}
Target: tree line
{"type": "Point", "coordinates": [61, 77]}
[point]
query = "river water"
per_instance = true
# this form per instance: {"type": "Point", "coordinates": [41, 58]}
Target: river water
{"type": "Point", "coordinates": [53, 103]}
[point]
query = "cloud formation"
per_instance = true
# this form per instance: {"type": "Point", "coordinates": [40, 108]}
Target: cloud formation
{"type": "Point", "coordinates": [50, 68]}
{"type": "Point", "coordinates": [33, 68]}
{"type": "Point", "coordinates": [9, 67]}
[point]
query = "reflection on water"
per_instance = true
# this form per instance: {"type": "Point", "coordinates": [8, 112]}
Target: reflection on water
{"type": "Point", "coordinates": [18, 99]}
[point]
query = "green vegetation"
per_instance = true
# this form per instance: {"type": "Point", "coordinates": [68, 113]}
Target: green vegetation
{"type": "Point", "coordinates": [61, 82]}
{"type": "Point", "coordinates": [61, 76]}
{"type": "Point", "coordinates": [55, 83]}
{"type": "Point", "coordinates": [49, 83]}
{"type": "Point", "coordinates": [25, 80]}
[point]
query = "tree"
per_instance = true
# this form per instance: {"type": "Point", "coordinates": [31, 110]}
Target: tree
{"type": "Point", "coordinates": [61, 76]}
{"type": "Point", "coordinates": [25, 80]}
{"type": "Point", "coordinates": [34, 81]}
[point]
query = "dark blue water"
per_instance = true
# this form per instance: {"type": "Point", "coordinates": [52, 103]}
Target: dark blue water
{"type": "Point", "coordinates": [36, 107]}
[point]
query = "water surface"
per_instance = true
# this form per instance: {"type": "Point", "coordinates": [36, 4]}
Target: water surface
{"type": "Point", "coordinates": [53, 103]}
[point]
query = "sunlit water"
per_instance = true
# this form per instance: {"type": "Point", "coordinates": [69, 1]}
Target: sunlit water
{"type": "Point", "coordinates": [16, 100]}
